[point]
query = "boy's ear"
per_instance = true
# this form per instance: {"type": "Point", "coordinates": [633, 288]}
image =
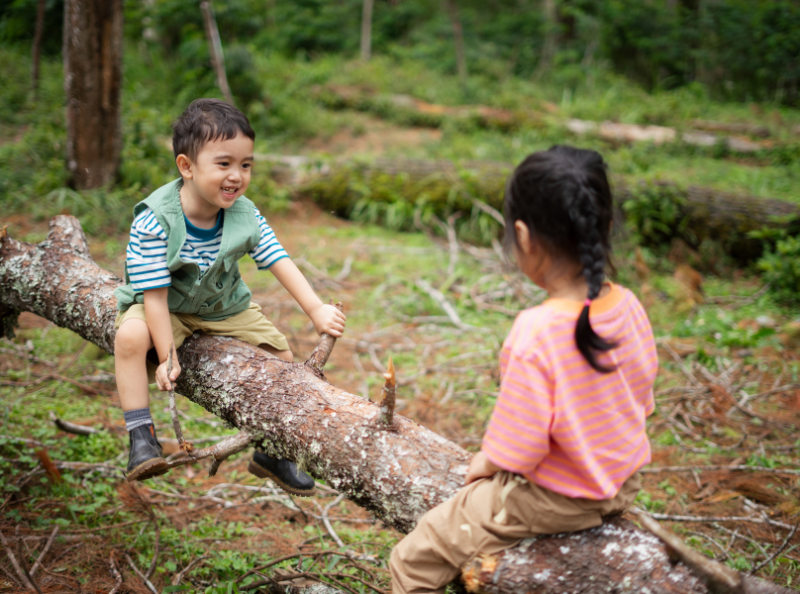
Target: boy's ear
{"type": "Point", "coordinates": [185, 166]}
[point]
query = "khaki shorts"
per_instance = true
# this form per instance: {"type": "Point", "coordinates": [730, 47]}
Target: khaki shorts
{"type": "Point", "coordinates": [486, 517]}
{"type": "Point", "coordinates": [250, 326]}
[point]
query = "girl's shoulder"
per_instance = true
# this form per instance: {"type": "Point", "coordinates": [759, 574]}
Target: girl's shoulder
{"type": "Point", "coordinates": [531, 327]}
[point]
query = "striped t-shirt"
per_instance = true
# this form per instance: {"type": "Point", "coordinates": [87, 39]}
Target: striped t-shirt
{"type": "Point", "coordinates": [147, 249]}
{"type": "Point", "coordinates": [560, 423]}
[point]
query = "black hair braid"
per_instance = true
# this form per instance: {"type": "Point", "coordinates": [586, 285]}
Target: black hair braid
{"type": "Point", "coordinates": [564, 198]}
{"type": "Point", "coordinates": [592, 255]}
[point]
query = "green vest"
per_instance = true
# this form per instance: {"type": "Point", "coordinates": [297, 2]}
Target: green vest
{"type": "Point", "coordinates": [218, 293]}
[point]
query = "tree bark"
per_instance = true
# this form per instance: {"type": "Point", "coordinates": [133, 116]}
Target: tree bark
{"type": "Point", "coordinates": [215, 50]}
{"type": "Point", "coordinates": [366, 30]}
{"type": "Point", "coordinates": [37, 47]}
{"type": "Point", "coordinates": [292, 412]}
{"type": "Point", "coordinates": [92, 79]}
{"type": "Point", "coordinates": [458, 40]}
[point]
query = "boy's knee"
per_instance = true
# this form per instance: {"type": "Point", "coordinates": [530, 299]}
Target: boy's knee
{"type": "Point", "coordinates": [132, 339]}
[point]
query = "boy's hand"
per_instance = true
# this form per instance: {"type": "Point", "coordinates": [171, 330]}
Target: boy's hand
{"type": "Point", "coordinates": [328, 319]}
{"type": "Point", "coordinates": [164, 383]}
{"type": "Point", "coordinates": [480, 467]}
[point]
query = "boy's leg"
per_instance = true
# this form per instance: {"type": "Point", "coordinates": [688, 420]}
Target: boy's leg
{"type": "Point", "coordinates": [252, 327]}
{"type": "Point", "coordinates": [131, 345]}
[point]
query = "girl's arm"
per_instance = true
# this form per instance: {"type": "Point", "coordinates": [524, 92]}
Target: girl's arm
{"type": "Point", "coordinates": [326, 318]}
{"type": "Point", "coordinates": [481, 467]}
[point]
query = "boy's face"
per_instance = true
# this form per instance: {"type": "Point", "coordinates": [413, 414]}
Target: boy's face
{"type": "Point", "coordinates": [221, 171]}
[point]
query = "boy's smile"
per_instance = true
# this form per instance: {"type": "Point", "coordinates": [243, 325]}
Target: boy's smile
{"type": "Point", "coordinates": [216, 178]}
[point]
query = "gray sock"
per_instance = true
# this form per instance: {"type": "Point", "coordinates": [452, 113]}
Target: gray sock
{"type": "Point", "coordinates": [137, 418]}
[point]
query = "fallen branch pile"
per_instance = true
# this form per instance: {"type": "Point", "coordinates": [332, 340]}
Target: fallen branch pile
{"type": "Point", "coordinates": [290, 410]}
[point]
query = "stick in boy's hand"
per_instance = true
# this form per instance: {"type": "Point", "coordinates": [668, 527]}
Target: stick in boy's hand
{"type": "Point", "coordinates": [173, 408]}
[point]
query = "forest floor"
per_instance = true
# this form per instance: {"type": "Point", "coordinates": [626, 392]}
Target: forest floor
{"type": "Point", "coordinates": [727, 395]}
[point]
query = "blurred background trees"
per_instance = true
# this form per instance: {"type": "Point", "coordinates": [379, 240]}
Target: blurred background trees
{"type": "Point", "coordinates": [737, 49]}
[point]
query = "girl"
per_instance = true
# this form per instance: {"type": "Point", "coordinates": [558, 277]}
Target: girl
{"type": "Point", "coordinates": [567, 434]}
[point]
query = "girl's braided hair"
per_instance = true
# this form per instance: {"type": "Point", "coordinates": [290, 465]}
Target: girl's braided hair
{"type": "Point", "coordinates": [564, 198]}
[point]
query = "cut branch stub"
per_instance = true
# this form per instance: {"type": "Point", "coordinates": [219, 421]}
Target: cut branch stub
{"type": "Point", "coordinates": [316, 362]}
{"type": "Point", "coordinates": [386, 412]}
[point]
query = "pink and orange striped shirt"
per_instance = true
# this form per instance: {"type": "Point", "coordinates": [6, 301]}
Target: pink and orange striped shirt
{"type": "Point", "coordinates": [560, 423]}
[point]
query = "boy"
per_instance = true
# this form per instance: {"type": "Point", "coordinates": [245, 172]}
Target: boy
{"type": "Point", "coordinates": [182, 275]}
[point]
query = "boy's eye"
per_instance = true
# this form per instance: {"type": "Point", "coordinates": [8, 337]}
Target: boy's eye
{"type": "Point", "coordinates": [246, 165]}
{"type": "Point", "coordinates": [223, 163]}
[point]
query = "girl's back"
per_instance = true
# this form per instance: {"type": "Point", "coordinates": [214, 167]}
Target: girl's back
{"type": "Point", "coordinates": [558, 421]}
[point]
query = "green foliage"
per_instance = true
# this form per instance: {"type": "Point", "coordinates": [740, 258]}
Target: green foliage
{"type": "Point", "coordinates": [654, 213]}
{"type": "Point", "coordinates": [780, 266]}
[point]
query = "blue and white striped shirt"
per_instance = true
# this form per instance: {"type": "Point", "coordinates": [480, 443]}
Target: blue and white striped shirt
{"type": "Point", "coordinates": [147, 249]}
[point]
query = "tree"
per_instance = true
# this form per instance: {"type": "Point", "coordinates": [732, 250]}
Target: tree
{"type": "Point", "coordinates": [397, 470]}
{"type": "Point", "coordinates": [37, 46]}
{"type": "Point", "coordinates": [458, 39]}
{"type": "Point", "coordinates": [366, 30]}
{"type": "Point", "coordinates": [92, 80]}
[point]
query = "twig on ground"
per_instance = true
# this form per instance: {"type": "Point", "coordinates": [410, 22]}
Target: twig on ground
{"type": "Point", "coordinates": [439, 298]}
{"type": "Point", "coordinates": [73, 428]}
{"type": "Point", "coordinates": [712, 519]}
{"type": "Point", "coordinates": [141, 576]}
{"type": "Point", "coordinates": [777, 552]}
{"type": "Point", "coordinates": [345, 271]}
{"type": "Point", "coordinates": [113, 569]}
{"type": "Point", "coordinates": [21, 575]}
{"type": "Point", "coordinates": [156, 548]}
{"type": "Point", "coordinates": [326, 521]}
{"type": "Point", "coordinates": [23, 563]}
{"type": "Point", "coordinates": [45, 550]}
{"type": "Point", "coordinates": [179, 576]}
{"type": "Point", "coordinates": [657, 469]}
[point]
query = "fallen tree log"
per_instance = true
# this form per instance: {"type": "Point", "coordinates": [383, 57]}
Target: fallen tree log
{"type": "Point", "coordinates": [443, 187]}
{"type": "Point", "coordinates": [290, 410]}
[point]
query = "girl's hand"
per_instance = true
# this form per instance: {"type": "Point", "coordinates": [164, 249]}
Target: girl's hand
{"type": "Point", "coordinates": [328, 319]}
{"type": "Point", "coordinates": [164, 383]}
{"type": "Point", "coordinates": [480, 467]}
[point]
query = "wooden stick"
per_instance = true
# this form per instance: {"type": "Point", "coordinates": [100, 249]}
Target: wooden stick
{"type": "Point", "coordinates": [11, 557]}
{"type": "Point", "coordinates": [46, 549]}
{"type": "Point", "coordinates": [316, 362]}
{"type": "Point", "coordinates": [386, 414]}
{"type": "Point", "coordinates": [73, 428]}
{"type": "Point", "coordinates": [173, 407]}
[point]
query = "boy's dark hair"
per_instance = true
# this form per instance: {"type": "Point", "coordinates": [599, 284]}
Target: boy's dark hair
{"type": "Point", "coordinates": [564, 198]}
{"type": "Point", "coordinates": [206, 120]}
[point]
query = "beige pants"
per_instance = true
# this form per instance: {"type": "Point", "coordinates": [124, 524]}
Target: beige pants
{"type": "Point", "coordinates": [486, 517]}
{"type": "Point", "coordinates": [250, 326]}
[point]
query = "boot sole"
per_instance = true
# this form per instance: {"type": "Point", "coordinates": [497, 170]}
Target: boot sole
{"type": "Point", "coordinates": [148, 469]}
{"type": "Point", "coordinates": [263, 473]}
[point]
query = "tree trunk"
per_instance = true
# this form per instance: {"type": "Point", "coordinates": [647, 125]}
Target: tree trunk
{"type": "Point", "coordinates": [37, 47]}
{"type": "Point", "coordinates": [291, 411]}
{"type": "Point", "coordinates": [366, 30]}
{"type": "Point", "coordinates": [550, 13]}
{"type": "Point", "coordinates": [458, 40]}
{"type": "Point", "coordinates": [215, 50]}
{"type": "Point", "coordinates": [92, 79]}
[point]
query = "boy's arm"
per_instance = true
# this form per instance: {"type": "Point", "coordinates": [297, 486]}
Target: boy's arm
{"type": "Point", "coordinates": [158, 322]}
{"type": "Point", "coordinates": [326, 318]}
